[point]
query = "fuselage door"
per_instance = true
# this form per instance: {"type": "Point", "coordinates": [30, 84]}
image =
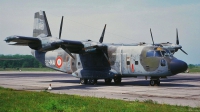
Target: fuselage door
{"type": "Point", "coordinates": [125, 63]}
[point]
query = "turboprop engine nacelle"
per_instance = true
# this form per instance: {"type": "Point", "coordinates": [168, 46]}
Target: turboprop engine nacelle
{"type": "Point", "coordinates": [51, 43]}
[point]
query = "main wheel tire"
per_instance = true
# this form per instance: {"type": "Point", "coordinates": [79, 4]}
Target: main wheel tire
{"type": "Point", "coordinates": [108, 81]}
{"type": "Point", "coordinates": [117, 80]}
{"type": "Point", "coordinates": [93, 81]}
{"type": "Point", "coordinates": [83, 81]}
{"type": "Point", "coordinates": [152, 82]}
{"type": "Point", "coordinates": [158, 82]}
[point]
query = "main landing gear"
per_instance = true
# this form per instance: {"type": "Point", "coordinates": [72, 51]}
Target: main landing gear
{"type": "Point", "coordinates": [108, 81]}
{"type": "Point", "coordinates": [154, 81]}
{"type": "Point", "coordinates": [83, 81]}
{"type": "Point", "coordinates": [117, 80]}
{"type": "Point", "coordinates": [92, 81]}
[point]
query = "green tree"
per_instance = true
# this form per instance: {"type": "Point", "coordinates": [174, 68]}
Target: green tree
{"type": "Point", "coordinates": [25, 64]}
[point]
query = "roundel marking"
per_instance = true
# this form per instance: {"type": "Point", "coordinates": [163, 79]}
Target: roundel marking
{"type": "Point", "coordinates": [59, 62]}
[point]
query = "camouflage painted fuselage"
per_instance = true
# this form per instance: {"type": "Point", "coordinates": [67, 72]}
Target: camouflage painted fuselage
{"type": "Point", "coordinates": [124, 61]}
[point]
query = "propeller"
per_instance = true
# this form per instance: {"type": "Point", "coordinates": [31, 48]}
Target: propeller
{"type": "Point", "coordinates": [101, 41]}
{"type": "Point", "coordinates": [63, 46]}
{"type": "Point", "coordinates": [152, 37]}
{"type": "Point", "coordinates": [102, 35]}
{"type": "Point", "coordinates": [61, 27]}
{"type": "Point", "coordinates": [183, 51]}
{"type": "Point", "coordinates": [177, 41]}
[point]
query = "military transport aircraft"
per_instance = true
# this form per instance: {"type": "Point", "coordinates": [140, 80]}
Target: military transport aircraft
{"type": "Point", "coordinates": [90, 61]}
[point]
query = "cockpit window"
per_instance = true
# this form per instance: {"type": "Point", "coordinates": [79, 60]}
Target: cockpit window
{"type": "Point", "coordinates": [158, 54]}
{"type": "Point", "coordinates": [150, 54]}
{"type": "Point", "coordinates": [163, 53]}
{"type": "Point", "coordinates": [166, 53]}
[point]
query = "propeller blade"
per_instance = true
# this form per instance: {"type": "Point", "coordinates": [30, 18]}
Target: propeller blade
{"type": "Point", "coordinates": [106, 56]}
{"type": "Point", "coordinates": [102, 35]}
{"type": "Point", "coordinates": [177, 40]}
{"type": "Point", "coordinates": [61, 27]}
{"type": "Point", "coordinates": [151, 36]}
{"type": "Point", "coordinates": [65, 49]}
{"type": "Point", "coordinates": [183, 51]}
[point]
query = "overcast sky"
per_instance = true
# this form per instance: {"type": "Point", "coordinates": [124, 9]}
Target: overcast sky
{"type": "Point", "coordinates": [128, 21]}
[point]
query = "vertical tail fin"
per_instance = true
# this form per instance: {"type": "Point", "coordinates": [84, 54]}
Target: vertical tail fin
{"type": "Point", "coordinates": [41, 26]}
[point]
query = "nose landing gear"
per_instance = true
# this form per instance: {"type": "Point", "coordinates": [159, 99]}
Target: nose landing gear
{"type": "Point", "coordinates": [154, 81]}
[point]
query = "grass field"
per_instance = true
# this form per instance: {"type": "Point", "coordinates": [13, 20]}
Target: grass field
{"type": "Point", "coordinates": [26, 101]}
{"type": "Point", "coordinates": [195, 69]}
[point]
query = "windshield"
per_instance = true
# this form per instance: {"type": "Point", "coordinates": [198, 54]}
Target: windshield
{"type": "Point", "coordinates": [150, 54]}
{"type": "Point", "coordinates": [163, 53]}
{"type": "Point", "coordinates": [168, 53]}
{"type": "Point", "coordinates": [153, 54]}
{"type": "Point", "coordinates": [158, 53]}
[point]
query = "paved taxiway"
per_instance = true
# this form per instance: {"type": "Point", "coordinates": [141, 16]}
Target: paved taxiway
{"type": "Point", "coordinates": [181, 89]}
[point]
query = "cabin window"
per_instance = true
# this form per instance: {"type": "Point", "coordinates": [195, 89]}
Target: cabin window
{"type": "Point", "coordinates": [128, 62]}
{"type": "Point", "coordinates": [136, 62]}
{"type": "Point", "coordinates": [163, 62]}
{"type": "Point", "coordinates": [150, 54]}
{"type": "Point", "coordinates": [158, 54]}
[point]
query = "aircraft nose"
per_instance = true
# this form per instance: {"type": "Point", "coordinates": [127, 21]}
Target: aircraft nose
{"type": "Point", "coordinates": [178, 66]}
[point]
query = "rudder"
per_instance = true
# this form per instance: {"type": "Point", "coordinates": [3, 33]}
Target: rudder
{"type": "Point", "coordinates": [41, 26]}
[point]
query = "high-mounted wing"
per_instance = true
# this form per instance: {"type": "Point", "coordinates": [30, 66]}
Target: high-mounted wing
{"type": "Point", "coordinates": [72, 46]}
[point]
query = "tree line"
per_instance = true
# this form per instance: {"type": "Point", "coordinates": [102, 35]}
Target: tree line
{"type": "Point", "coordinates": [190, 66]}
{"type": "Point", "coordinates": [19, 61]}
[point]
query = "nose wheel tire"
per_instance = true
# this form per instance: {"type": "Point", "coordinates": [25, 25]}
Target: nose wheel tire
{"type": "Point", "coordinates": [93, 81]}
{"type": "Point", "coordinates": [154, 82]}
{"type": "Point", "coordinates": [83, 81]}
{"type": "Point", "coordinates": [117, 80]}
{"type": "Point", "coordinates": [158, 83]}
{"type": "Point", "coordinates": [108, 81]}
